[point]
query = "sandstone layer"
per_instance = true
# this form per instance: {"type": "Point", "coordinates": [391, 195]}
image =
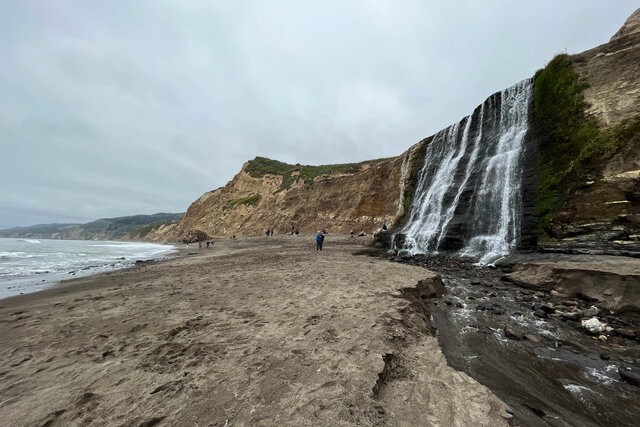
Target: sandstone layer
{"type": "Point", "coordinates": [252, 332]}
{"type": "Point", "coordinates": [338, 203]}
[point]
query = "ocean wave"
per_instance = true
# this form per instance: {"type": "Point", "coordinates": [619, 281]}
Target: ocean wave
{"type": "Point", "coordinates": [14, 255]}
{"type": "Point", "coordinates": [30, 241]}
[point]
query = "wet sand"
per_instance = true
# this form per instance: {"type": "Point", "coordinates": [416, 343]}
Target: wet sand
{"type": "Point", "coordinates": [260, 331]}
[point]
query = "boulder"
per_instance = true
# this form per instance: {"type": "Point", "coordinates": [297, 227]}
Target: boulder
{"type": "Point", "coordinates": [593, 326]}
{"type": "Point", "coordinates": [630, 374]}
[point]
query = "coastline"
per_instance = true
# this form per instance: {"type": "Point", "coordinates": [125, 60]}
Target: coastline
{"type": "Point", "coordinates": [254, 331]}
{"type": "Point", "coordinates": [20, 283]}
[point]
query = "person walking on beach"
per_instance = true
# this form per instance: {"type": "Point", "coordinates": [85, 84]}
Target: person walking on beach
{"type": "Point", "coordinates": [319, 241]}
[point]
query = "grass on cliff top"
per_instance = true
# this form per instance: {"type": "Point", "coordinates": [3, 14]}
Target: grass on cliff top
{"type": "Point", "coordinates": [250, 201]}
{"type": "Point", "coordinates": [571, 145]}
{"type": "Point", "coordinates": [261, 166]}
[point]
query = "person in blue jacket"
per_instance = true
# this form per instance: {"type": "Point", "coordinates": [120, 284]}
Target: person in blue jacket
{"type": "Point", "coordinates": [319, 241]}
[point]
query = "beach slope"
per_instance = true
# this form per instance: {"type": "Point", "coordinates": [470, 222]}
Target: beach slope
{"type": "Point", "coordinates": [262, 331]}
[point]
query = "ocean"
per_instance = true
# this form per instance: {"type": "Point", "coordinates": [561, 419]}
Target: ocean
{"type": "Point", "coordinates": [29, 265]}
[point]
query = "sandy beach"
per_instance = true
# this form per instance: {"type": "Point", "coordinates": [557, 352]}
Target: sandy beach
{"type": "Point", "coordinates": [260, 331]}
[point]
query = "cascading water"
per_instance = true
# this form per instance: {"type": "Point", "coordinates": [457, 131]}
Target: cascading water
{"type": "Point", "coordinates": [468, 192]}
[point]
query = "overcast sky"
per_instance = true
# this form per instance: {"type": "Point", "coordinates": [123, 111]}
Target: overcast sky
{"type": "Point", "coordinates": [111, 108]}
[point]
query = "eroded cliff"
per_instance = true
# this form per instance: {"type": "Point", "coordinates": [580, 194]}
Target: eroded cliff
{"type": "Point", "coordinates": [581, 188]}
{"type": "Point", "coordinates": [274, 195]}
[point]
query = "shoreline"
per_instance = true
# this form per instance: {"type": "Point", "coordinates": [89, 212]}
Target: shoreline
{"type": "Point", "coordinates": [59, 278]}
{"type": "Point", "coordinates": [255, 331]}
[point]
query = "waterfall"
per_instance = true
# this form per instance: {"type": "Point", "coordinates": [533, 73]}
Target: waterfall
{"type": "Point", "coordinates": [468, 196]}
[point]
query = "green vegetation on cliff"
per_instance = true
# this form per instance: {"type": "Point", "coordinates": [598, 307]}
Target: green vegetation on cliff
{"type": "Point", "coordinates": [249, 201]}
{"type": "Point", "coordinates": [261, 166]}
{"type": "Point", "coordinates": [414, 166]}
{"type": "Point", "coordinates": [571, 144]}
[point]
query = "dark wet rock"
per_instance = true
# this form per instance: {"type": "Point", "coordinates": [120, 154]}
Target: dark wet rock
{"type": "Point", "coordinates": [459, 305]}
{"type": "Point", "coordinates": [548, 308]}
{"type": "Point", "coordinates": [471, 298]}
{"type": "Point", "coordinates": [590, 312]}
{"type": "Point", "coordinates": [605, 356]}
{"type": "Point", "coordinates": [625, 332]}
{"type": "Point", "coordinates": [572, 315]}
{"type": "Point", "coordinates": [630, 374]}
{"type": "Point", "coordinates": [512, 332]}
{"type": "Point", "coordinates": [540, 313]}
{"type": "Point", "coordinates": [476, 283]}
{"type": "Point", "coordinates": [447, 302]}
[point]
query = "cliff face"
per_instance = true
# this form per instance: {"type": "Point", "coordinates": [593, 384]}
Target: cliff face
{"type": "Point", "coordinates": [603, 214]}
{"type": "Point", "coordinates": [596, 208]}
{"type": "Point", "coordinates": [359, 200]}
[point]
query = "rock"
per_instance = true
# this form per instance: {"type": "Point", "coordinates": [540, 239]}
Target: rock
{"type": "Point", "coordinates": [532, 338]}
{"type": "Point", "coordinates": [548, 308]}
{"type": "Point", "coordinates": [590, 312]}
{"type": "Point", "coordinates": [593, 326]}
{"type": "Point", "coordinates": [572, 315]}
{"type": "Point", "coordinates": [630, 374]}
{"type": "Point", "coordinates": [459, 305]}
{"type": "Point", "coordinates": [510, 331]}
{"type": "Point", "coordinates": [605, 356]}
{"type": "Point", "coordinates": [602, 337]}
{"type": "Point", "coordinates": [625, 332]}
{"type": "Point", "coordinates": [608, 292]}
{"type": "Point", "coordinates": [476, 282]}
{"type": "Point", "coordinates": [555, 293]}
{"type": "Point", "coordinates": [540, 313]}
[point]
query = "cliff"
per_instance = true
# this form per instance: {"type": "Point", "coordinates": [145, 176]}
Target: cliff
{"type": "Point", "coordinates": [581, 187]}
{"type": "Point", "coordinates": [267, 194]}
{"type": "Point", "coordinates": [592, 147]}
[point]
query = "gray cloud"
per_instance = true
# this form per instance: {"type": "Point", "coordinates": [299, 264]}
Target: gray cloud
{"type": "Point", "coordinates": [118, 108]}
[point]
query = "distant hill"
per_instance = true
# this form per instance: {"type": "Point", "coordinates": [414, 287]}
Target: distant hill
{"type": "Point", "coordinates": [134, 227]}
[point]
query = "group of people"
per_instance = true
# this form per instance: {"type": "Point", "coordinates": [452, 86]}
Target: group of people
{"type": "Point", "coordinates": [209, 243]}
{"type": "Point", "coordinates": [269, 232]}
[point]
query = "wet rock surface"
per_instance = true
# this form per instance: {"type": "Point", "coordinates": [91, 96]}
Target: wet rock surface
{"type": "Point", "coordinates": [529, 346]}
